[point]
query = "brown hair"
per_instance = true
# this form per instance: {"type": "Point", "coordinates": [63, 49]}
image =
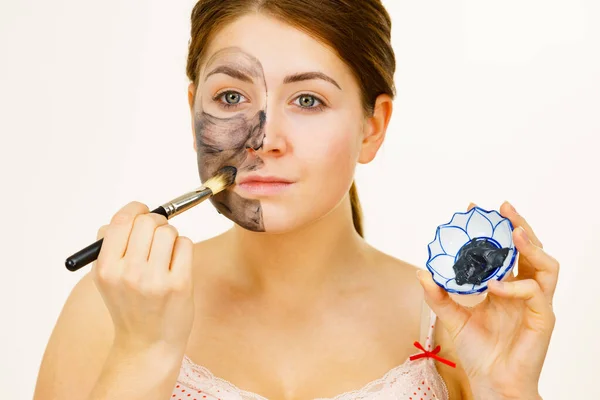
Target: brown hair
{"type": "Point", "coordinates": [359, 30]}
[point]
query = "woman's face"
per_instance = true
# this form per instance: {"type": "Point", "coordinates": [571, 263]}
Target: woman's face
{"type": "Point", "coordinates": [284, 110]}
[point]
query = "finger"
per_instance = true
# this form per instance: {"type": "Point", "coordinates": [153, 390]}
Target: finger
{"type": "Point", "coordinates": [544, 267]}
{"type": "Point", "coordinates": [161, 251]}
{"type": "Point", "coordinates": [181, 263]}
{"type": "Point", "coordinates": [453, 316]}
{"type": "Point", "coordinates": [527, 290]}
{"type": "Point", "coordinates": [471, 206]}
{"type": "Point", "coordinates": [508, 211]}
{"type": "Point", "coordinates": [142, 234]}
{"type": "Point", "coordinates": [101, 233]}
{"type": "Point", "coordinates": [117, 235]}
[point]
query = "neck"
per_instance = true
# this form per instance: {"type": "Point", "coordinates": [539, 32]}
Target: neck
{"type": "Point", "coordinates": [304, 259]}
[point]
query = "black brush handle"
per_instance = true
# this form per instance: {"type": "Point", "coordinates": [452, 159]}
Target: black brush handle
{"type": "Point", "coordinates": [89, 254]}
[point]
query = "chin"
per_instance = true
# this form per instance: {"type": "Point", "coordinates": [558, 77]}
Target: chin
{"type": "Point", "coordinates": [284, 218]}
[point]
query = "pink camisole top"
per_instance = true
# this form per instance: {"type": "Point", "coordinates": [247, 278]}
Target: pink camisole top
{"type": "Point", "coordinates": [415, 379]}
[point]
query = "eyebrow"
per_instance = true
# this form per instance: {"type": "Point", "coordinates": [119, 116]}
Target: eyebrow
{"type": "Point", "coordinates": [306, 76]}
{"type": "Point", "coordinates": [233, 72]}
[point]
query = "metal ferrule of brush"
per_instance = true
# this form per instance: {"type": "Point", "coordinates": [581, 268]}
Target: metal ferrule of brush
{"type": "Point", "coordinates": [187, 201]}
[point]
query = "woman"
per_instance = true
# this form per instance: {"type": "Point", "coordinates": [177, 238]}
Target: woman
{"type": "Point", "coordinates": [291, 303]}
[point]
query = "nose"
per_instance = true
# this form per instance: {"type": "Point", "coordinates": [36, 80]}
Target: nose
{"type": "Point", "coordinates": [256, 135]}
{"type": "Point", "coordinates": [275, 141]}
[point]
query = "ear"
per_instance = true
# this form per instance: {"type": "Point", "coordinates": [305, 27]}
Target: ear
{"type": "Point", "coordinates": [375, 128]}
{"type": "Point", "coordinates": [191, 98]}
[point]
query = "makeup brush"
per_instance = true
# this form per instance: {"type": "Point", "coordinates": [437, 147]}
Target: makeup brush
{"type": "Point", "coordinates": [224, 178]}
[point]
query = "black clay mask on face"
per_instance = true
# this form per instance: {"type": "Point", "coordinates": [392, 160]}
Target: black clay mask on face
{"type": "Point", "coordinates": [232, 139]}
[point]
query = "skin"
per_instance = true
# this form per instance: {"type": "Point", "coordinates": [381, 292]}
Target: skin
{"type": "Point", "coordinates": [512, 325]}
{"type": "Point", "coordinates": [315, 282]}
{"type": "Point", "coordinates": [268, 132]}
{"type": "Point", "coordinates": [307, 308]}
{"type": "Point", "coordinates": [233, 139]}
{"type": "Point", "coordinates": [309, 279]}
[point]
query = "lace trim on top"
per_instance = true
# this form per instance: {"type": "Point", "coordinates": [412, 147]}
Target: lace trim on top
{"type": "Point", "coordinates": [398, 383]}
{"type": "Point", "coordinates": [402, 382]}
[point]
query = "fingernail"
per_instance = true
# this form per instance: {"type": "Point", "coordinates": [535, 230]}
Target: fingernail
{"type": "Point", "coordinates": [512, 208]}
{"type": "Point", "coordinates": [419, 274]}
{"type": "Point", "coordinates": [498, 284]}
{"type": "Point", "coordinates": [523, 234]}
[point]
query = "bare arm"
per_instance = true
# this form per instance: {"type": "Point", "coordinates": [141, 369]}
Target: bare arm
{"type": "Point", "coordinates": [82, 362]}
{"type": "Point", "coordinates": [148, 374]}
{"type": "Point", "coordinates": [123, 330]}
{"type": "Point", "coordinates": [78, 347]}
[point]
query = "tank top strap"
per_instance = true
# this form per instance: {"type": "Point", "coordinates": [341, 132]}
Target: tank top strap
{"type": "Point", "coordinates": [428, 321]}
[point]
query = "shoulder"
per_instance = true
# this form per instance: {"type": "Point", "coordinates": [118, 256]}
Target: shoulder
{"type": "Point", "coordinates": [78, 345]}
{"type": "Point", "coordinates": [401, 277]}
{"type": "Point", "coordinates": [397, 295]}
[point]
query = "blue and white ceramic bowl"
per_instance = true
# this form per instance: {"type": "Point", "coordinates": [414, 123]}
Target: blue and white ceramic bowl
{"type": "Point", "coordinates": [477, 223]}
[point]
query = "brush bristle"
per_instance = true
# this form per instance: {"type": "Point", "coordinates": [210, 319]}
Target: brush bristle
{"type": "Point", "coordinates": [224, 178]}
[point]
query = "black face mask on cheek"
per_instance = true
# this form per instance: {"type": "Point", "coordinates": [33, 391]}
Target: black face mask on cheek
{"type": "Point", "coordinates": [224, 142]}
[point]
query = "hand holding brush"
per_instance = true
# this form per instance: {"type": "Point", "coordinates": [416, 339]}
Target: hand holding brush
{"type": "Point", "coordinates": [144, 274]}
{"type": "Point", "coordinates": [224, 178]}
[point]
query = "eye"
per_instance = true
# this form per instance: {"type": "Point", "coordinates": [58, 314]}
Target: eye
{"type": "Point", "coordinates": [230, 98]}
{"type": "Point", "coordinates": [308, 102]}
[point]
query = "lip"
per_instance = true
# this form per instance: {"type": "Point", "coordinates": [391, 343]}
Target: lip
{"type": "Point", "coordinates": [263, 185]}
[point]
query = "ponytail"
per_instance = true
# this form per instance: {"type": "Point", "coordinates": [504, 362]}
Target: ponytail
{"type": "Point", "coordinates": [357, 215]}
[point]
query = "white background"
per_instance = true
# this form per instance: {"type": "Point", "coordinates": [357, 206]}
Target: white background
{"type": "Point", "coordinates": [496, 100]}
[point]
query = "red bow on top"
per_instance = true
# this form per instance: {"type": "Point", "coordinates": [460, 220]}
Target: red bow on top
{"type": "Point", "coordinates": [431, 354]}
